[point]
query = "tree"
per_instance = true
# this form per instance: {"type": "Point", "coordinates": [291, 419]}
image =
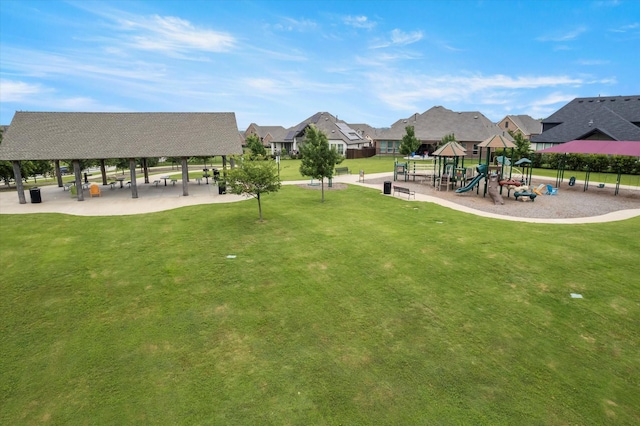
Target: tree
{"type": "Point", "coordinates": [446, 139]}
{"type": "Point", "coordinates": [255, 145]}
{"type": "Point", "coordinates": [409, 142]}
{"type": "Point", "coordinates": [522, 149]}
{"type": "Point", "coordinates": [254, 178]}
{"type": "Point", "coordinates": [318, 159]}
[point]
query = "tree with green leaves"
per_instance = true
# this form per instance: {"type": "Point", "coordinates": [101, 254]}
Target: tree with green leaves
{"type": "Point", "coordinates": [410, 143]}
{"type": "Point", "coordinates": [255, 145]}
{"type": "Point", "coordinates": [318, 158]}
{"type": "Point", "coordinates": [522, 149]}
{"type": "Point", "coordinates": [254, 178]}
{"type": "Point", "coordinates": [446, 139]}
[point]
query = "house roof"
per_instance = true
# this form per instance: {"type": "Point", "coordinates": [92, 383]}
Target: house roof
{"type": "Point", "coordinates": [332, 127]}
{"type": "Point", "coordinates": [627, 148]}
{"type": "Point", "coordinates": [276, 132]}
{"type": "Point", "coordinates": [527, 124]}
{"type": "Point", "coordinates": [81, 135]}
{"type": "Point", "coordinates": [437, 122]}
{"type": "Point", "coordinates": [618, 117]}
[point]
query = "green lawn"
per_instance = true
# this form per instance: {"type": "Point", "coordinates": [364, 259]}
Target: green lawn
{"type": "Point", "coordinates": [361, 310]}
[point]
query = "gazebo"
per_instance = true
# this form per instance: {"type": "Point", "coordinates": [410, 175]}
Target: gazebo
{"type": "Point", "coordinates": [75, 136]}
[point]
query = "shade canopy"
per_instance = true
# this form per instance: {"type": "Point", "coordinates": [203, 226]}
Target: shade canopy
{"type": "Point", "coordinates": [628, 148]}
{"type": "Point", "coordinates": [496, 141]}
{"type": "Point", "coordinates": [450, 149]}
{"type": "Point", "coordinates": [503, 160]}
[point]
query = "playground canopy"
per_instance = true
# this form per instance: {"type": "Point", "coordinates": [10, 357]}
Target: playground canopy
{"type": "Point", "coordinates": [496, 141]}
{"type": "Point", "coordinates": [450, 149]}
{"type": "Point", "coordinates": [628, 148]}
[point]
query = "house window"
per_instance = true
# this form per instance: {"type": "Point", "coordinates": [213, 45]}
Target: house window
{"type": "Point", "coordinates": [475, 149]}
{"type": "Point", "coordinates": [506, 124]}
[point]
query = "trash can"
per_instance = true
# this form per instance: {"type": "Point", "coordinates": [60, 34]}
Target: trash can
{"type": "Point", "coordinates": [222, 189]}
{"type": "Point", "coordinates": [34, 193]}
{"type": "Point", "coordinates": [387, 187]}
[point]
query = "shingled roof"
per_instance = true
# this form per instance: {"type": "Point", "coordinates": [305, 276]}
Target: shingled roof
{"type": "Point", "coordinates": [85, 135]}
{"type": "Point", "coordinates": [332, 127]}
{"type": "Point", "coordinates": [613, 117]}
{"type": "Point", "coordinates": [527, 124]}
{"type": "Point", "coordinates": [437, 122]}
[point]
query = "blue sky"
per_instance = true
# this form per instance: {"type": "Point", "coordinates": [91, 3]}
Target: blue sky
{"type": "Point", "coordinates": [279, 62]}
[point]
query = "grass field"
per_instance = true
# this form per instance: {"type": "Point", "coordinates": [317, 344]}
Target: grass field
{"type": "Point", "coordinates": [360, 310]}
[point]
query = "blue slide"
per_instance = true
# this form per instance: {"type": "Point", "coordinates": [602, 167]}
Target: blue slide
{"type": "Point", "coordinates": [476, 180]}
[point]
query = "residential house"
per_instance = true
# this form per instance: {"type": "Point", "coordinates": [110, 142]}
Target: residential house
{"type": "Point", "coordinates": [469, 129]}
{"type": "Point", "coordinates": [267, 134]}
{"type": "Point", "coordinates": [614, 118]}
{"type": "Point", "coordinates": [525, 125]}
{"type": "Point", "coordinates": [341, 135]}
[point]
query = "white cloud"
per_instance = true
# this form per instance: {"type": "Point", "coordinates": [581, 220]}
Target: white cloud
{"type": "Point", "coordinates": [300, 25]}
{"type": "Point", "coordinates": [18, 91]}
{"type": "Point", "coordinates": [359, 22]}
{"type": "Point", "coordinates": [588, 62]}
{"type": "Point", "coordinates": [408, 91]}
{"type": "Point", "coordinates": [171, 34]}
{"type": "Point", "coordinates": [565, 36]}
{"type": "Point", "coordinates": [399, 38]}
{"type": "Point", "coordinates": [626, 28]}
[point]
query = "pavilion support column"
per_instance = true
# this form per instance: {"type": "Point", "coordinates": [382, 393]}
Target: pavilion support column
{"type": "Point", "coordinates": [78, 177]}
{"type": "Point", "coordinates": [134, 186]}
{"type": "Point", "coordinates": [56, 165]}
{"type": "Point", "coordinates": [17, 174]}
{"type": "Point", "coordinates": [224, 168]}
{"type": "Point", "coordinates": [145, 168]}
{"type": "Point", "coordinates": [103, 172]}
{"type": "Point", "coordinates": [185, 177]}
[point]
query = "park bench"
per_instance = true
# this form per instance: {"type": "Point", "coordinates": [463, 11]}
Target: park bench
{"type": "Point", "coordinates": [341, 170]}
{"type": "Point", "coordinates": [404, 190]}
{"type": "Point", "coordinates": [199, 180]}
{"type": "Point", "coordinates": [174, 181]}
{"type": "Point", "coordinates": [156, 183]}
{"type": "Point", "coordinates": [532, 196]}
{"type": "Point", "coordinates": [113, 184]}
{"type": "Point", "coordinates": [67, 186]}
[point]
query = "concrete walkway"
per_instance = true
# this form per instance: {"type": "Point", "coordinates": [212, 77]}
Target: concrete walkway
{"type": "Point", "coordinates": [153, 198]}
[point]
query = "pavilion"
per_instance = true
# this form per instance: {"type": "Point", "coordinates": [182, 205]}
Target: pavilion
{"type": "Point", "coordinates": [75, 136]}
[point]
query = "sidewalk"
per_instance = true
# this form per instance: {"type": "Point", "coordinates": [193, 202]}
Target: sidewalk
{"type": "Point", "coordinates": [151, 199]}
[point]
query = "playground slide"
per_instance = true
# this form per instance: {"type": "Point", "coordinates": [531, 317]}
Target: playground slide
{"type": "Point", "coordinates": [476, 180]}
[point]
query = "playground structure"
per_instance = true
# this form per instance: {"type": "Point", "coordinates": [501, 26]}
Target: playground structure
{"type": "Point", "coordinates": [493, 190]}
{"type": "Point", "coordinates": [482, 174]}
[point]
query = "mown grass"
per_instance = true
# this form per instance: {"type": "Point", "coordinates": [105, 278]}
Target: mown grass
{"type": "Point", "coordinates": [361, 310]}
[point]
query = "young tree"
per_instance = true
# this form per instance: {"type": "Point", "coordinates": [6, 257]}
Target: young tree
{"type": "Point", "coordinates": [409, 142]}
{"type": "Point", "coordinates": [254, 178]}
{"type": "Point", "coordinates": [318, 159]}
{"type": "Point", "coordinates": [255, 145]}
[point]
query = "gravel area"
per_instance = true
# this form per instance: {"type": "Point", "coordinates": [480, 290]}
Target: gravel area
{"type": "Point", "coordinates": [571, 202]}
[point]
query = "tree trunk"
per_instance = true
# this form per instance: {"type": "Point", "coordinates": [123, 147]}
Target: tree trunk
{"type": "Point", "coordinates": [259, 207]}
{"type": "Point", "coordinates": [322, 183]}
